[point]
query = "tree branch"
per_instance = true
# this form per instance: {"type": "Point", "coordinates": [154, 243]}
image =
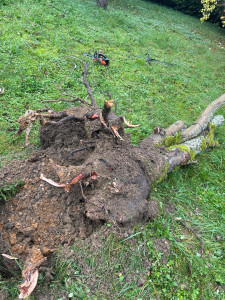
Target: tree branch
{"type": "Point", "coordinates": [75, 99]}
{"type": "Point", "coordinates": [88, 86]}
{"type": "Point", "coordinates": [201, 124]}
{"type": "Point", "coordinates": [93, 103]}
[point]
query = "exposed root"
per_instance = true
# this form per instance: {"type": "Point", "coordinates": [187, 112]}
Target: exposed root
{"type": "Point", "coordinates": [108, 104]}
{"type": "Point", "coordinates": [30, 272]}
{"type": "Point", "coordinates": [50, 181]}
{"type": "Point", "coordinates": [78, 150]}
{"type": "Point", "coordinates": [115, 129]}
{"type": "Point", "coordinates": [30, 116]}
{"type": "Point", "coordinates": [26, 121]}
{"type": "Point", "coordinates": [129, 125]}
{"type": "Point", "coordinates": [68, 185]}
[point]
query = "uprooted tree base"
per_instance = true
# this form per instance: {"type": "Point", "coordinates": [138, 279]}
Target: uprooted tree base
{"type": "Point", "coordinates": [82, 176]}
{"type": "Point", "coordinates": [46, 216]}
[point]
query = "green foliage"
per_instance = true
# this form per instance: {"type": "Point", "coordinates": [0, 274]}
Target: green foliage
{"type": "Point", "coordinates": [203, 9]}
{"type": "Point", "coordinates": [210, 6]}
{"type": "Point", "coordinates": [10, 190]}
{"type": "Point", "coordinates": [191, 7]}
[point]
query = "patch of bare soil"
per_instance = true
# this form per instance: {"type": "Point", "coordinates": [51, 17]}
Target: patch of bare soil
{"type": "Point", "coordinates": [109, 184]}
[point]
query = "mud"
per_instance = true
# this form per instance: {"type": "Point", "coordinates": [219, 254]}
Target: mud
{"type": "Point", "coordinates": [46, 216]}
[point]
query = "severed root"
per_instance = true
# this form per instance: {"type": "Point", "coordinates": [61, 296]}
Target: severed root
{"type": "Point", "coordinates": [45, 117]}
{"type": "Point", "coordinates": [115, 129]}
{"type": "Point", "coordinates": [111, 121]}
{"type": "Point", "coordinates": [30, 272]}
{"type": "Point", "coordinates": [50, 181]}
{"type": "Point", "coordinates": [104, 115]}
{"type": "Point", "coordinates": [75, 180]}
{"type": "Point", "coordinates": [28, 285]}
{"type": "Point", "coordinates": [30, 116]}
{"type": "Point", "coordinates": [129, 125]}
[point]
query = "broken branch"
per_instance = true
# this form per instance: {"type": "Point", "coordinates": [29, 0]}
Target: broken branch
{"type": "Point", "coordinates": [87, 85]}
{"type": "Point", "coordinates": [74, 99]}
{"type": "Point", "coordinates": [93, 103]}
{"type": "Point", "coordinates": [203, 120]}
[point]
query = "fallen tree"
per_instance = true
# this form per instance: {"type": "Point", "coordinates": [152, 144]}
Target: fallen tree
{"type": "Point", "coordinates": [86, 173]}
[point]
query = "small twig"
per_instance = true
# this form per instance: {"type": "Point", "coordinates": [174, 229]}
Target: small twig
{"type": "Point", "coordinates": [82, 61]}
{"type": "Point", "coordinates": [196, 235]}
{"type": "Point", "coordinates": [75, 99]}
{"type": "Point", "coordinates": [85, 80]}
{"type": "Point", "coordinates": [108, 94]}
{"type": "Point", "coordinates": [78, 150]}
{"type": "Point", "coordinates": [88, 86]}
{"type": "Point", "coordinates": [67, 100]}
{"type": "Point", "coordinates": [82, 191]}
{"type": "Point", "coordinates": [87, 142]}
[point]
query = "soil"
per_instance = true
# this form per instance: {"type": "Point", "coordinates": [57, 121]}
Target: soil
{"type": "Point", "coordinates": [115, 187]}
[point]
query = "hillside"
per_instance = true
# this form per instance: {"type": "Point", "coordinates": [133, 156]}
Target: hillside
{"type": "Point", "coordinates": [40, 48]}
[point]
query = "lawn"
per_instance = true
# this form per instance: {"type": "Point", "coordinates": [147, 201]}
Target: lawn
{"type": "Point", "coordinates": [39, 44]}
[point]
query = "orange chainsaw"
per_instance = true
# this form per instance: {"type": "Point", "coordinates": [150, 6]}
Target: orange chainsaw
{"type": "Point", "coordinates": [99, 57]}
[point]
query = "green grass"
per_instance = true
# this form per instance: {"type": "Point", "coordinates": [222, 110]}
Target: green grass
{"type": "Point", "coordinates": [37, 39]}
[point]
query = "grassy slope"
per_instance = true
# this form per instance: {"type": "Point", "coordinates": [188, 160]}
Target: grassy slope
{"type": "Point", "coordinates": [35, 41]}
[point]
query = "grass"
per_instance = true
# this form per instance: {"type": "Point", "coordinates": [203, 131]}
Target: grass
{"type": "Point", "coordinates": [8, 191]}
{"type": "Point", "coordinates": [36, 42]}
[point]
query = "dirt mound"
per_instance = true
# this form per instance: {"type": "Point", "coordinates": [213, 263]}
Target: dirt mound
{"type": "Point", "coordinates": [112, 186]}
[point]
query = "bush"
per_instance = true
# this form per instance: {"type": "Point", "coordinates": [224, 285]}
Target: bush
{"type": "Point", "coordinates": [194, 7]}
